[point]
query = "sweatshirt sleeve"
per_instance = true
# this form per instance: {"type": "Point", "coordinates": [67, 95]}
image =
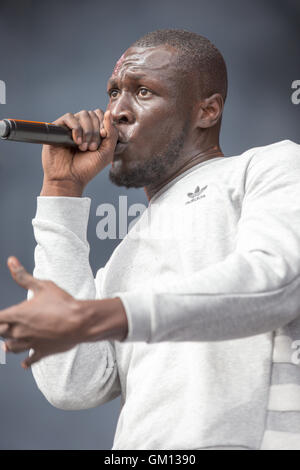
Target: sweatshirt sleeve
{"type": "Point", "coordinates": [256, 288]}
{"type": "Point", "coordinates": [85, 376]}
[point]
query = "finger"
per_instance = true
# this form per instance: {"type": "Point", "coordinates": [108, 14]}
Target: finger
{"type": "Point", "coordinates": [19, 331]}
{"type": "Point", "coordinates": [31, 359]}
{"type": "Point", "coordinates": [87, 129]}
{"type": "Point", "coordinates": [112, 131]}
{"type": "Point", "coordinates": [100, 115]}
{"type": "Point", "coordinates": [109, 142]}
{"type": "Point", "coordinates": [12, 314]}
{"type": "Point", "coordinates": [103, 133]}
{"type": "Point", "coordinates": [16, 346]}
{"type": "Point", "coordinates": [21, 276]}
{"type": "Point", "coordinates": [14, 331]}
{"type": "Point", "coordinates": [70, 120]}
{"type": "Point", "coordinates": [94, 144]}
{"type": "Point", "coordinates": [5, 330]}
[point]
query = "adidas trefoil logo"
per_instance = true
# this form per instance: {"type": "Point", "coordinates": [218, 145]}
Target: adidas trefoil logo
{"type": "Point", "coordinates": [197, 194]}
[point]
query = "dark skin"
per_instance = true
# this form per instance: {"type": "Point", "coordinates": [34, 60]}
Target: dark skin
{"type": "Point", "coordinates": [147, 108]}
{"type": "Point", "coordinates": [159, 121]}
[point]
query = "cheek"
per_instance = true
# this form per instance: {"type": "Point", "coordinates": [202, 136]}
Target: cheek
{"type": "Point", "coordinates": [153, 139]}
{"type": "Point", "coordinates": [159, 124]}
{"type": "Point", "coordinates": [165, 130]}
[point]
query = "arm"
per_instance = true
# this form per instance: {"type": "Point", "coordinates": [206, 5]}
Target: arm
{"type": "Point", "coordinates": [85, 376]}
{"type": "Point", "coordinates": [256, 288]}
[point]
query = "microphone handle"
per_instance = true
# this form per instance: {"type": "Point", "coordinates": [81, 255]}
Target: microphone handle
{"type": "Point", "coordinates": [36, 132]}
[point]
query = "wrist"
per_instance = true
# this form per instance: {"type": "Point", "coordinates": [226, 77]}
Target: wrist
{"type": "Point", "coordinates": [61, 188]}
{"type": "Point", "coordinates": [103, 319]}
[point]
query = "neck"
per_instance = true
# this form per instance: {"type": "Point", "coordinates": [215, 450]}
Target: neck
{"type": "Point", "coordinates": [211, 152]}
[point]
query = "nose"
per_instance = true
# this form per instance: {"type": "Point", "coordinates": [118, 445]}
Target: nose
{"type": "Point", "coordinates": [121, 110]}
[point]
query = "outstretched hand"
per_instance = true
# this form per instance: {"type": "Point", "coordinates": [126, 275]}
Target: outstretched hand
{"type": "Point", "coordinates": [48, 323]}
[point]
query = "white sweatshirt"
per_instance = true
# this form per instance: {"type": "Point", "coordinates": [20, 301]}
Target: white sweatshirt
{"type": "Point", "coordinates": [210, 280]}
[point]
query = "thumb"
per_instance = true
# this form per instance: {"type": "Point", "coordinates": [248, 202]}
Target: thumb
{"type": "Point", "coordinates": [21, 276]}
{"type": "Point", "coordinates": [109, 134]}
{"type": "Point", "coordinates": [34, 356]}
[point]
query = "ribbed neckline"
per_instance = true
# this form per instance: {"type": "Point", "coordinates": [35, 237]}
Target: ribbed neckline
{"type": "Point", "coordinates": [182, 175]}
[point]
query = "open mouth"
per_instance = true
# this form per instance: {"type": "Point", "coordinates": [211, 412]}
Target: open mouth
{"type": "Point", "coordinates": [120, 146]}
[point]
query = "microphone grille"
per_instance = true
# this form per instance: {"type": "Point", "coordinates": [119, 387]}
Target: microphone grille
{"type": "Point", "coordinates": [4, 129]}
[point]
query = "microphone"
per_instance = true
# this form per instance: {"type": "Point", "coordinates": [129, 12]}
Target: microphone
{"type": "Point", "coordinates": [36, 132]}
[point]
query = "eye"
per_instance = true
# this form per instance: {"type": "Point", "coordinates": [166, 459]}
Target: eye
{"type": "Point", "coordinates": [113, 93]}
{"type": "Point", "coordinates": [144, 92]}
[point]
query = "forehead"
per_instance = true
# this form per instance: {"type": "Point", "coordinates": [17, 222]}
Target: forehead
{"type": "Point", "coordinates": [156, 61]}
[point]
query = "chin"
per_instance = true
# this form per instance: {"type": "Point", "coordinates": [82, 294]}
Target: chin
{"type": "Point", "coordinates": [121, 175]}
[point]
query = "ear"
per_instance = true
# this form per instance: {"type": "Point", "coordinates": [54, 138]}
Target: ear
{"type": "Point", "coordinates": [210, 110]}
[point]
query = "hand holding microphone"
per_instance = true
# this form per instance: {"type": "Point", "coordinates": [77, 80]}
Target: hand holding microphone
{"type": "Point", "coordinates": [77, 155]}
{"type": "Point", "coordinates": [66, 173]}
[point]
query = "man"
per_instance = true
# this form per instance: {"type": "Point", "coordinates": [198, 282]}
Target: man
{"type": "Point", "coordinates": [194, 317]}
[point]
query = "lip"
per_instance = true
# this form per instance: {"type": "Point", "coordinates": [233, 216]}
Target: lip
{"type": "Point", "coordinates": [120, 147]}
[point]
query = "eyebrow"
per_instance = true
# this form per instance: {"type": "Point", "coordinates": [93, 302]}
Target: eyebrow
{"type": "Point", "coordinates": [113, 82]}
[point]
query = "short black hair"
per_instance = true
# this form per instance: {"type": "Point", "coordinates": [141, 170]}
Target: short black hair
{"type": "Point", "coordinates": [196, 53]}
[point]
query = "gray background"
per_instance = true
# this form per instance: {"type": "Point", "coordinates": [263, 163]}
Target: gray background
{"type": "Point", "coordinates": [55, 58]}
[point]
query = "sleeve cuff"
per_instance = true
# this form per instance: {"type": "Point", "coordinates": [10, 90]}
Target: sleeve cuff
{"type": "Point", "coordinates": [70, 212]}
{"type": "Point", "coordinates": [138, 307]}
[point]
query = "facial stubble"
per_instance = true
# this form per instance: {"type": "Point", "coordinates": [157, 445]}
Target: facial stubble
{"type": "Point", "coordinates": [153, 170]}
